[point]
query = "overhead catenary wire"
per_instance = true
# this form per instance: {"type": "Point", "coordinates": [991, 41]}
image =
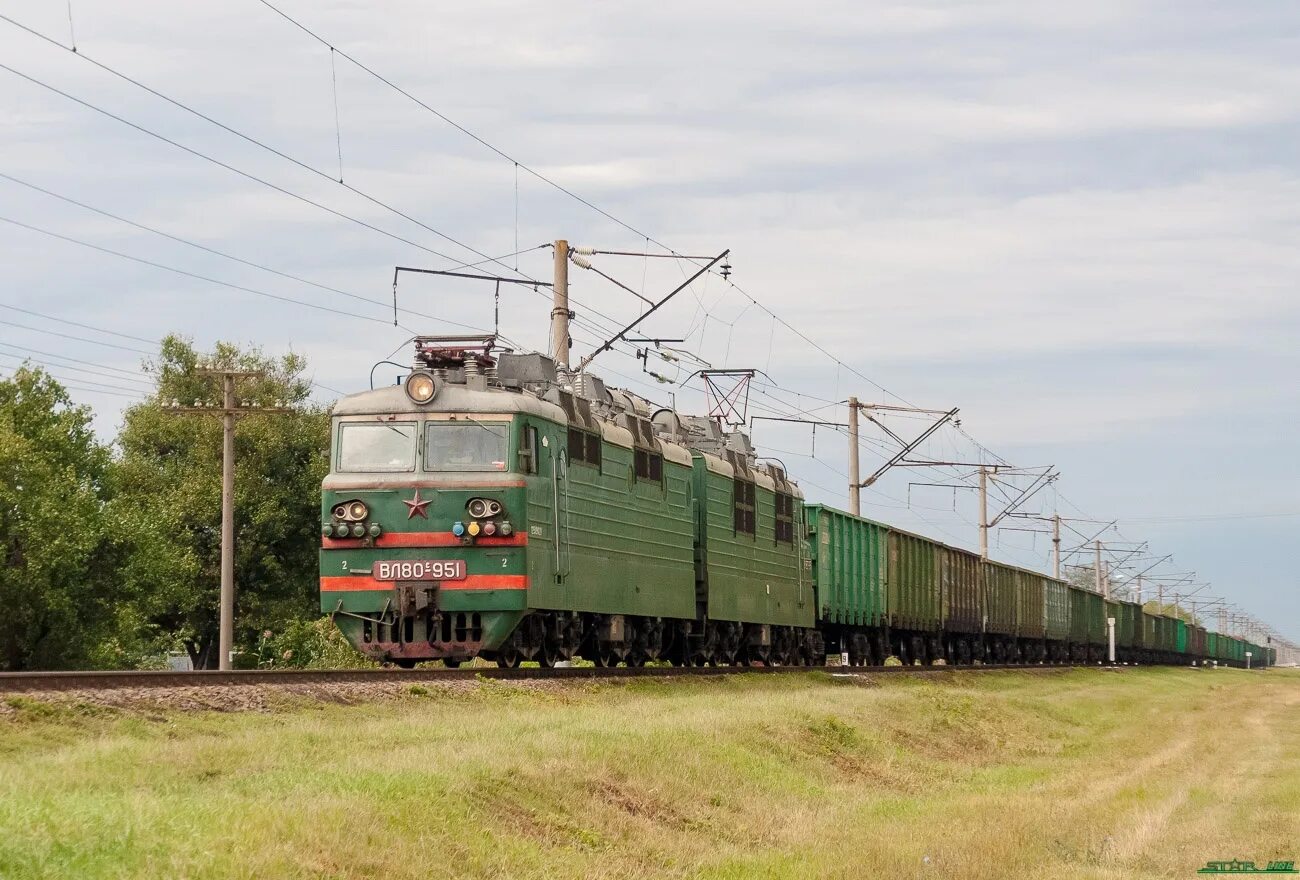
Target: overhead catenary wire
{"type": "Point", "coordinates": [252, 140]}
{"type": "Point", "coordinates": [227, 256]}
{"type": "Point", "coordinates": [186, 273]}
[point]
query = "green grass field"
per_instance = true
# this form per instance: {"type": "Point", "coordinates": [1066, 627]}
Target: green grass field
{"type": "Point", "coordinates": [1074, 774]}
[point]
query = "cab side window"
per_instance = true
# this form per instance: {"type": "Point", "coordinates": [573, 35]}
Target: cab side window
{"type": "Point", "coordinates": [528, 450]}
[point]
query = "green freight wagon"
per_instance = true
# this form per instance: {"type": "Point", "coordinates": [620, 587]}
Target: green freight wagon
{"type": "Point", "coordinates": [850, 567]}
{"type": "Point", "coordinates": [1028, 615]}
{"type": "Point", "coordinates": [1180, 636]}
{"type": "Point", "coordinates": [913, 607]}
{"type": "Point", "coordinates": [1000, 611]}
{"type": "Point", "coordinates": [1087, 626]}
{"type": "Point", "coordinates": [1056, 609]}
{"type": "Point", "coordinates": [962, 601]}
{"type": "Point", "coordinates": [1211, 645]}
{"type": "Point", "coordinates": [1126, 628]}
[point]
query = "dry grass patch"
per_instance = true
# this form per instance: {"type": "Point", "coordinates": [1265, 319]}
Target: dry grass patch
{"type": "Point", "coordinates": [1074, 774]}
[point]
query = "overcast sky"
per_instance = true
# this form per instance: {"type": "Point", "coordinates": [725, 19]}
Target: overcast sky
{"type": "Point", "coordinates": [1078, 223]}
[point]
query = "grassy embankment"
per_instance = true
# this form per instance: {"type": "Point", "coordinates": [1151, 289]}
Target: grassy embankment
{"type": "Point", "coordinates": [1078, 774]}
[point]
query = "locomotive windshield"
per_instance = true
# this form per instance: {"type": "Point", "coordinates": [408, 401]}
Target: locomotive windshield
{"type": "Point", "coordinates": [470, 446]}
{"type": "Point", "coordinates": [389, 446]}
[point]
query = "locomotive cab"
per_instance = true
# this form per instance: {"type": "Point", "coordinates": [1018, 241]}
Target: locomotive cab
{"type": "Point", "coordinates": [424, 514]}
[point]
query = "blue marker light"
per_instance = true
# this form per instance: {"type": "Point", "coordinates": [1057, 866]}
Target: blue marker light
{"type": "Point", "coordinates": [458, 529]}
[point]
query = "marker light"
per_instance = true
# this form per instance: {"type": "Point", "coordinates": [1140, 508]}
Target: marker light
{"type": "Point", "coordinates": [458, 528]}
{"type": "Point", "coordinates": [506, 528]}
{"type": "Point", "coordinates": [374, 530]}
{"type": "Point", "coordinates": [341, 530]}
{"type": "Point", "coordinates": [327, 531]}
{"type": "Point", "coordinates": [473, 529]}
{"type": "Point", "coordinates": [420, 387]}
{"type": "Point", "coordinates": [358, 530]}
{"type": "Point", "coordinates": [489, 528]}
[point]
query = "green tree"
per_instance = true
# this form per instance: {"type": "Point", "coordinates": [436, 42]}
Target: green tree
{"type": "Point", "coordinates": [56, 591]}
{"type": "Point", "coordinates": [167, 500]}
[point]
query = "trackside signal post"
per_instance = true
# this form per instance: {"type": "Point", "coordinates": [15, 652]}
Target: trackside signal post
{"type": "Point", "coordinates": [229, 409]}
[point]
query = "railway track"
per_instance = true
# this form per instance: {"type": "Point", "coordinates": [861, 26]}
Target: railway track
{"type": "Point", "coordinates": [19, 682]}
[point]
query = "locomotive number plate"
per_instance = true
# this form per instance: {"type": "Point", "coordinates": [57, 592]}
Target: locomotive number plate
{"type": "Point", "coordinates": [420, 570]}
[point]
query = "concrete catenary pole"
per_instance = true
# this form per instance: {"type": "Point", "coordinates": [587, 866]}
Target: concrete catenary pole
{"type": "Point", "coordinates": [984, 512]}
{"type": "Point", "coordinates": [855, 488]}
{"type": "Point", "coordinates": [226, 639]}
{"type": "Point", "coordinates": [1096, 566]}
{"type": "Point", "coordinates": [1056, 546]}
{"type": "Point", "coordinates": [560, 306]}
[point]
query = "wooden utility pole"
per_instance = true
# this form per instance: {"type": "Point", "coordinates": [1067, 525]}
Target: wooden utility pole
{"type": "Point", "coordinates": [855, 481]}
{"type": "Point", "coordinates": [560, 313]}
{"type": "Point", "coordinates": [229, 409]}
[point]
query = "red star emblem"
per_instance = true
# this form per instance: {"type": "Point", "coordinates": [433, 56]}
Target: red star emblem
{"type": "Point", "coordinates": [416, 507]}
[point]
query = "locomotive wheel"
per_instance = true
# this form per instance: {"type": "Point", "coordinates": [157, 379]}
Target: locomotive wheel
{"type": "Point", "coordinates": [452, 664]}
{"type": "Point", "coordinates": [509, 659]}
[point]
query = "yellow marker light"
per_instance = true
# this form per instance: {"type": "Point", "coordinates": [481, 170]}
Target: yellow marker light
{"type": "Point", "coordinates": [474, 529]}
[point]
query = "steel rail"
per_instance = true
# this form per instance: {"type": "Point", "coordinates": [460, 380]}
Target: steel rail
{"type": "Point", "coordinates": [18, 682]}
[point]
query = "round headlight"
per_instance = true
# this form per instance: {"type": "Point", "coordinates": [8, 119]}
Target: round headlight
{"type": "Point", "coordinates": [420, 387]}
{"type": "Point", "coordinates": [478, 507]}
{"type": "Point", "coordinates": [341, 512]}
{"type": "Point", "coordinates": [357, 510]}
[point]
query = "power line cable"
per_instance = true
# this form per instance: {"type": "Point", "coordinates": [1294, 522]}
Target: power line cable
{"type": "Point", "coordinates": [187, 274]}
{"type": "Point", "coordinates": [74, 360]}
{"type": "Point", "coordinates": [75, 323]}
{"type": "Point", "coordinates": [241, 260]}
{"type": "Point", "coordinates": [231, 168]}
{"type": "Point", "coordinates": [100, 373]}
{"type": "Point", "coordinates": [76, 338]}
{"type": "Point", "coordinates": [249, 139]}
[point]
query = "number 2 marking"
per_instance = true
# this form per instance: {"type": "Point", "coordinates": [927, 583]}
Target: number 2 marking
{"type": "Point", "coordinates": [504, 562]}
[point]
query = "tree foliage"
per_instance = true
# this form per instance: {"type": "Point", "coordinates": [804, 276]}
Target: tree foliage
{"type": "Point", "coordinates": [57, 595]}
{"type": "Point", "coordinates": [166, 509]}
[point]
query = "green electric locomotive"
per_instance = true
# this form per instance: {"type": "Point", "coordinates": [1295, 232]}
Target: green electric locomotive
{"type": "Point", "coordinates": [489, 506]}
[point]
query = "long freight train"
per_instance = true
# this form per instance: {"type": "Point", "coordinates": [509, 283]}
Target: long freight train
{"type": "Point", "coordinates": [490, 506]}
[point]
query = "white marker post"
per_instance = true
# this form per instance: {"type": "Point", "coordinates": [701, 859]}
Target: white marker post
{"type": "Point", "coordinates": [1110, 626]}
{"type": "Point", "coordinates": [1248, 654]}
